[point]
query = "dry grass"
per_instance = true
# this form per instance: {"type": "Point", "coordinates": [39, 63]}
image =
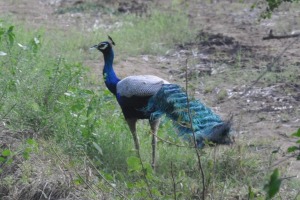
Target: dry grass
{"type": "Point", "coordinates": [46, 174]}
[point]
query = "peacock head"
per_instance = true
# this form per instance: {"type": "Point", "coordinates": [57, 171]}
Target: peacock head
{"type": "Point", "coordinates": [104, 47]}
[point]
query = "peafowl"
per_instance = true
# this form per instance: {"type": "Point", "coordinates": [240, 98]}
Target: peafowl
{"type": "Point", "coordinates": [150, 97]}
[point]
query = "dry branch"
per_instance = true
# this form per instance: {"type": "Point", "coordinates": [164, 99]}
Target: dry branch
{"type": "Point", "coordinates": [194, 134]}
{"type": "Point", "coordinates": [278, 37]}
{"type": "Point", "coordinates": [174, 182]}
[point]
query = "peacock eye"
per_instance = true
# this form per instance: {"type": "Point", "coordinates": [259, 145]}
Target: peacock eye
{"type": "Point", "coordinates": [102, 46]}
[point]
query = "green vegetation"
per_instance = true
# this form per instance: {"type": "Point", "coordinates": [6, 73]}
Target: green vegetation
{"type": "Point", "coordinates": [271, 6]}
{"type": "Point", "coordinates": [75, 122]}
{"type": "Point", "coordinates": [153, 35]}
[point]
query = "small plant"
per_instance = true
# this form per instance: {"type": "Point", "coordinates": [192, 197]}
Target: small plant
{"type": "Point", "coordinates": [273, 185]}
{"type": "Point", "coordinates": [222, 95]}
{"type": "Point", "coordinates": [208, 88]}
{"type": "Point", "coordinates": [143, 186]}
{"type": "Point", "coordinates": [275, 180]}
{"type": "Point", "coordinates": [296, 148]}
{"type": "Point", "coordinates": [271, 6]}
{"type": "Point", "coordinates": [5, 158]}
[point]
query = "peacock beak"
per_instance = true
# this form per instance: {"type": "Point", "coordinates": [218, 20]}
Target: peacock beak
{"type": "Point", "coordinates": [94, 47]}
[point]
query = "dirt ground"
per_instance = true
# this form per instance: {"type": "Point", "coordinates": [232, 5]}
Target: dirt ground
{"type": "Point", "coordinates": [267, 112]}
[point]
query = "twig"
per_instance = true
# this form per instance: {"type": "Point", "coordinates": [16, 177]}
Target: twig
{"type": "Point", "coordinates": [4, 116]}
{"type": "Point", "coordinates": [269, 66]}
{"type": "Point", "coordinates": [174, 182]}
{"type": "Point", "coordinates": [214, 172]}
{"type": "Point", "coordinates": [43, 193]}
{"type": "Point", "coordinates": [283, 160]}
{"type": "Point", "coordinates": [289, 177]}
{"type": "Point", "coordinates": [3, 93]}
{"type": "Point", "coordinates": [278, 37]}
{"type": "Point", "coordinates": [144, 174]}
{"type": "Point", "coordinates": [171, 143]}
{"type": "Point", "coordinates": [296, 197]}
{"type": "Point", "coordinates": [53, 83]}
{"type": "Point", "coordinates": [88, 185]}
{"type": "Point", "coordinates": [91, 162]}
{"type": "Point", "coordinates": [193, 131]}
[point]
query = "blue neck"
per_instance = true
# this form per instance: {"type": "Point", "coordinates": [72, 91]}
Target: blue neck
{"type": "Point", "coordinates": [109, 75]}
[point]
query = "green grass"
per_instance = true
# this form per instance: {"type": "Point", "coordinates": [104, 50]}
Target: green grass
{"type": "Point", "coordinates": [154, 34]}
{"type": "Point", "coordinates": [45, 88]}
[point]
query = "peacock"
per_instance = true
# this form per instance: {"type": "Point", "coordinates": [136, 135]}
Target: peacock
{"type": "Point", "coordinates": [150, 97]}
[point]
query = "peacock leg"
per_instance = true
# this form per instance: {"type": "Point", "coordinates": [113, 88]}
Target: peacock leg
{"type": "Point", "coordinates": [132, 126]}
{"type": "Point", "coordinates": [154, 127]}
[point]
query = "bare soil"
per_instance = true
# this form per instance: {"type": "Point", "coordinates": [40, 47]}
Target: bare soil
{"type": "Point", "coordinates": [231, 36]}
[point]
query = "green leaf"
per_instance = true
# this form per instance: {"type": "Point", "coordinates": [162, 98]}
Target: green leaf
{"type": "Point", "coordinates": [155, 191]}
{"type": "Point", "coordinates": [251, 194]}
{"type": "Point", "coordinates": [254, 5]}
{"type": "Point", "coordinates": [108, 176]}
{"type": "Point", "coordinates": [297, 134]}
{"type": "Point", "coordinates": [273, 186]}
{"type": "Point", "coordinates": [2, 159]}
{"type": "Point", "coordinates": [35, 106]}
{"type": "Point", "coordinates": [11, 35]}
{"type": "Point", "coordinates": [275, 151]}
{"type": "Point", "coordinates": [26, 152]}
{"type": "Point", "coordinates": [130, 185]}
{"type": "Point", "coordinates": [6, 153]}
{"type": "Point", "coordinates": [149, 171]}
{"type": "Point", "coordinates": [91, 92]}
{"type": "Point", "coordinates": [134, 164]}
{"type": "Point", "coordinates": [10, 29]}
{"type": "Point", "coordinates": [9, 161]}
{"type": "Point", "coordinates": [11, 39]}
{"type": "Point", "coordinates": [78, 181]}
{"type": "Point", "coordinates": [140, 184]}
{"type": "Point", "coordinates": [33, 144]}
{"type": "Point", "coordinates": [34, 44]}
{"type": "Point", "coordinates": [90, 110]}
{"type": "Point", "coordinates": [26, 155]}
{"type": "Point", "coordinates": [77, 107]}
{"type": "Point", "coordinates": [2, 31]}
{"type": "Point", "coordinates": [292, 149]}
{"type": "Point", "coordinates": [142, 195]}
{"type": "Point", "coordinates": [99, 149]}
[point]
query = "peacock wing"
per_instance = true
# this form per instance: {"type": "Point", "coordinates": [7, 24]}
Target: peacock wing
{"type": "Point", "coordinates": [143, 85]}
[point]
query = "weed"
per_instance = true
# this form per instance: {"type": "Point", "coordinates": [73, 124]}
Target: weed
{"type": "Point", "coordinates": [208, 88]}
{"type": "Point", "coordinates": [222, 95]}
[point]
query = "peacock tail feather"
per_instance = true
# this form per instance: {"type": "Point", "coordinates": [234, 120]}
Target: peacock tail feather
{"type": "Point", "coordinates": [173, 101]}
